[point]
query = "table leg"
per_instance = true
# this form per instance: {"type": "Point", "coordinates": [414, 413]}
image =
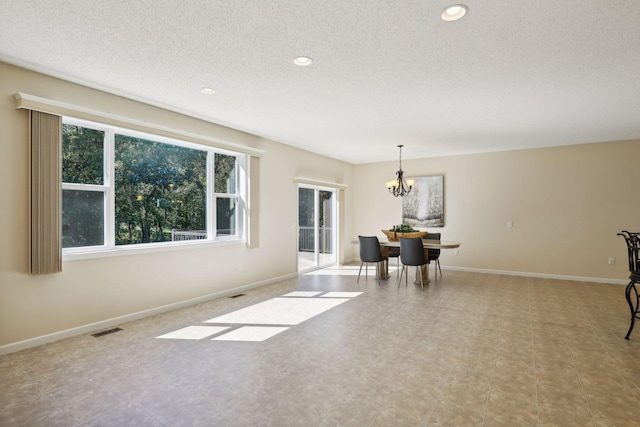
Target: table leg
{"type": "Point", "coordinates": [424, 270]}
{"type": "Point", "coordinates": [383, 268]}
{"type": "Point", "coordinates": [386, 268]}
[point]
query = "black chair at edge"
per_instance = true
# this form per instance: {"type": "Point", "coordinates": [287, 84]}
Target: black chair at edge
{"type": "Point", "coordinates": [370, 252]}
{"type": "Point", "coordinates": [633, 247]}
{"type": "Point", "coordinates": [434, 254]}
{"type": "Point", "coordinates": [412, 254]}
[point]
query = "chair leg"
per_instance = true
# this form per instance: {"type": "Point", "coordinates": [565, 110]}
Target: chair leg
{"type": "Point", "coordinates": [400, 278]}
{"type": "Point", "coordinates": [439, 268]}
{"type": "Point", "coordinates": [359, 271]}
{"type": "Point", "coordinates": [419, 270]}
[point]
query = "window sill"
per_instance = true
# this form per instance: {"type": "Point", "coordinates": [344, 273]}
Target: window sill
{"type": "Point", "coordinates": [76, 254]}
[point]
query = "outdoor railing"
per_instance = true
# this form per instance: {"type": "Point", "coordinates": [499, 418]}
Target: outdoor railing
{"type": "Point", "coordinates": [307, 236]}
{"type": "Point", "coordinates": [177, 236]}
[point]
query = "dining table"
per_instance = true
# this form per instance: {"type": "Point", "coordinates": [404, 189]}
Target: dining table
{"type": "Point", "coordinates": [427, 244]}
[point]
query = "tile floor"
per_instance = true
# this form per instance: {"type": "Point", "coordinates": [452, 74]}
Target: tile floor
{"type": "Point", "coordinates": [470, 350]}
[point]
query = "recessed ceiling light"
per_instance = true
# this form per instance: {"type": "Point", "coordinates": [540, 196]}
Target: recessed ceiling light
{"type": "Point", "coordinates": [303, 61]}
{"type": "Point", "coordinates": [454, 12]}
{"type": "Point", "coordinates": [208, 90]}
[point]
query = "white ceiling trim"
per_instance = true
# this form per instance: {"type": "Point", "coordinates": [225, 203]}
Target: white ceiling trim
{"type": "Point", "coordinates": [319, 183]}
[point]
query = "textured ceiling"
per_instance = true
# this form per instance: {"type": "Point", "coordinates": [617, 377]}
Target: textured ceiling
{"type": "Point", "coordinates": [509, 75]}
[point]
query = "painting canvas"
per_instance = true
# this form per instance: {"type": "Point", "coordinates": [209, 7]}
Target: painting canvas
{"type": "Point", "coordinates": [424, 206]}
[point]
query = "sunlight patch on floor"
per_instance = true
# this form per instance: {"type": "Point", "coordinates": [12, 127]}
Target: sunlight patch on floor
{"type": "Point", "coordinates": [194, 332]}
{"type": "Point", "coordinates": [347, 270]}
{"type": "Point", "coordinates": [291, 309]}
{"type": "Point", "coordinates": [302, 294]}
{"type": "Point", "coordinates": [251, 333]}
{"type": "Point", "coordinates": [279, 311]}
{"type": "Point", "coordinates": [341, 294]}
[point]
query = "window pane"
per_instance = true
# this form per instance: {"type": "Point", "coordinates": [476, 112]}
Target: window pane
{"type": "Point", "coordinates": [306, 222]}
{"type": "Point", "coordinates": [226, 216]}
{"type": "Point", "coordinates": [158, 188]}
{"type": "Point", "coordinates": [82, 218]}
{"type": "Point", "coordinates": [225, 174]}
{"type": "Point", "coordinates": [306, 208]}
{"type": "Point", "coordinates": [82, 155]}
{"type": "Point", "coordinates": [325, 233]}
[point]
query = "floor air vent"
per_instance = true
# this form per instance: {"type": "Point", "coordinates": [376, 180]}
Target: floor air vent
{"type": "Point", "coordinates": [107, 332]}
{"type": "Point", "coordinates": [236, 296]}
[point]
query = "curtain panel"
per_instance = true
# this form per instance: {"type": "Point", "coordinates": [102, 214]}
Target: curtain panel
{"type": "Point", "coordinates": [45, 134]}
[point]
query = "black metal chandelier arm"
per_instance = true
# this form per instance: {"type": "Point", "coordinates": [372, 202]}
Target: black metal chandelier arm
{"type": "Point", "coordinates": [399, 186]}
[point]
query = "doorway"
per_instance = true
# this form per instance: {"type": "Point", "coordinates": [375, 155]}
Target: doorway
{"type": "Point", "coordinates": [317, 231]}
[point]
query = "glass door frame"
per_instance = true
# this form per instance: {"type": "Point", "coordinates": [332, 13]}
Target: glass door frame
{"type": "Point", "coordinates": [316, 227]}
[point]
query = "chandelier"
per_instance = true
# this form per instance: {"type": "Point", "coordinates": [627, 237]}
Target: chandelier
{"type": "Point", "coordinates": [400, 186]}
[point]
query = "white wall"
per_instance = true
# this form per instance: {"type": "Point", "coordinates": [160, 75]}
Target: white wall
{"type": "Point", "coordinates": [91, 291]}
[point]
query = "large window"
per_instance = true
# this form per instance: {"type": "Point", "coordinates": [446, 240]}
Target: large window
{"type": "Point", "coordinates": [122, 187]}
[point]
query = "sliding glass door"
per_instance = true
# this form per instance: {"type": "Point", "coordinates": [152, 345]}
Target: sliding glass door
{"type": "Point", "coordinates": [316, 227]}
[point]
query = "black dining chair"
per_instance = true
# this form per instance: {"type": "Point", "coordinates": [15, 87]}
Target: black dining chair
{"type": "Point", "coordinates": [434, 254]}
{"type": "Point", "coordinates": [412, 254]}
{"type": "Point", "coordinates": [633, 250]}
{"type": "Point", "coordinates": [370, 252]}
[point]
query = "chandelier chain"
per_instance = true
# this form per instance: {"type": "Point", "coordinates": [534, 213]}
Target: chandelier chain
{"type": "Point", "coordinates": [400, 186]}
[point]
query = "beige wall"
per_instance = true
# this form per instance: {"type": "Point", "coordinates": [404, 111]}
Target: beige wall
{"type": "Point", "coordinates": [566, 204]}
{"type": "Point", "coordinates": [91, 291]}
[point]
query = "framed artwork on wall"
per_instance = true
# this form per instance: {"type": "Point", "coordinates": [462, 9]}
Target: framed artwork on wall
{"type": "Point", "coordinates": [424, 205]}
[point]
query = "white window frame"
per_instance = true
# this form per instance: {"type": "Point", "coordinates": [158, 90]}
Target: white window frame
{"type": "Point", "coordinates": [239, 196]}
{"type": "Point", "coordinates": [110, 248]}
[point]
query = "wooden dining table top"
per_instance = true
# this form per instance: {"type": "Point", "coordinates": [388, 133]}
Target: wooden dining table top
{"type": "Point", "coordinates": [427, 243]}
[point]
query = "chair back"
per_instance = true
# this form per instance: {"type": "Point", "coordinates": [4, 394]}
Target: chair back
{"type": "Point", "coordinates": [633, 250]}
{"type": "Point", "coordinates": [433, 253]}
{"type": "Point", "coordinates": [412, 251]}
{"type": "Point", "coordinates": [370, 249]}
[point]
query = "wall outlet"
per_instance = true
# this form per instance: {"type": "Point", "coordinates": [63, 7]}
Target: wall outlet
{"type": "Point", "coordinates": [509, 224]}
{"type": "Point", "coordinates": [456, 252]}
{"type": "Point", "coordinates": [612, 261]}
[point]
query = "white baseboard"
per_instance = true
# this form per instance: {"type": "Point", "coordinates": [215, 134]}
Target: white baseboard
{"type": "Point", "coordinates": [538, 275]}
{"type": "Point", "coordinates": [526, 274]}
{"type": "Point", "coordinates": [109, 323]}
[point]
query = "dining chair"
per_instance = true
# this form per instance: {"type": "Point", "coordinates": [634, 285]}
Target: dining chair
{"type": "Point", "coordinates": [434, 254]}
{"type": "Point", "coordinates": [412, 254]}
{"type": "Point", "coordinates": [370, 252]}
{"type": "Point", "coordinates": [633, 250]}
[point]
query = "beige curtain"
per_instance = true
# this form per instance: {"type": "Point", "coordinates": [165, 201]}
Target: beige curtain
{"type": "Point", "coordinates": [253, 234]}
{"type": "Point", "coordinates": [46, 193]}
